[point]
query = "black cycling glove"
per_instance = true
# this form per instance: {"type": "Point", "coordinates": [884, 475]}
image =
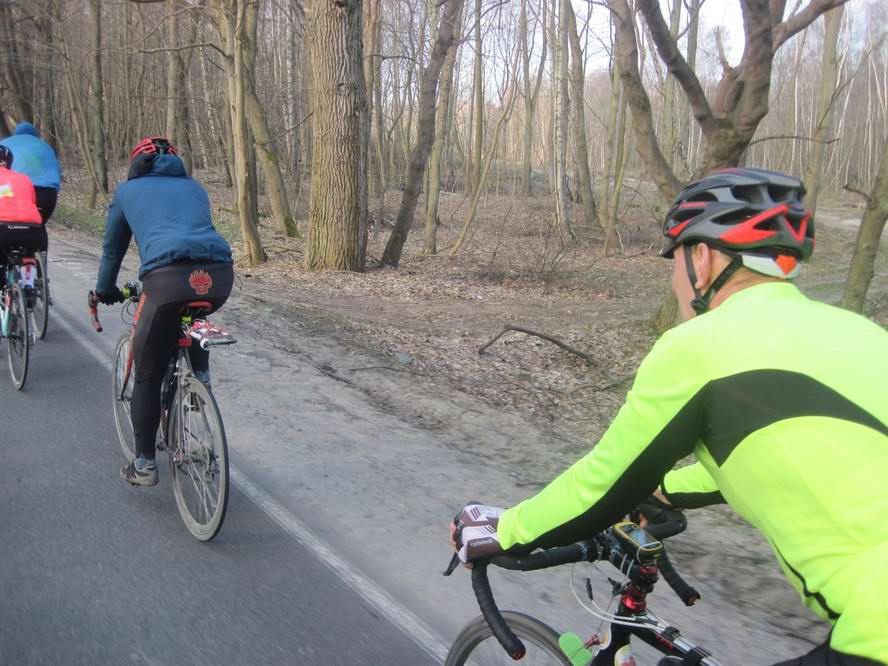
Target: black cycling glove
{"type": "Point", "coordinates": [663, 520]}
{"type": "Point", "coordinates": [110, 297]}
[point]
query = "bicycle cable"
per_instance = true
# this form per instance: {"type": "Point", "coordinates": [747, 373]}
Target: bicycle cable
{"type": "Point", "coordinates": [606, 615]}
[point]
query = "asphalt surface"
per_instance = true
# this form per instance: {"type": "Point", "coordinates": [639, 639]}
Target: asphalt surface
{"type": "Point", "coordinates": [95, 572]}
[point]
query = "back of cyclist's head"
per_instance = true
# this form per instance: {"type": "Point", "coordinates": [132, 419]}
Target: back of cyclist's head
{"type": "Point", "coordinates": [754, 217]}
{"type": "Point", "coordinates": [5, 157]}
{"type": "Point", "coordinates": [144, 154]}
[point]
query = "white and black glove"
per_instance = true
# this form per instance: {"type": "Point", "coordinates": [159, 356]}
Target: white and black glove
{"type": "Point", "coordinates": [474, 535]}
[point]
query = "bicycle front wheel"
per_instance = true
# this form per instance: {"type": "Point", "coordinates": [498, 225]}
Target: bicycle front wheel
{"type": "Point", "coordinates": [199, 459]}
{"type": "Point", "coordinates": [122, 394]}
{"type": "Point", "coordinates": [18, 349]}
{"type": "Point", "coordinates": [477, 645]}
{"type": "Point", "coordinates": [40, 305]}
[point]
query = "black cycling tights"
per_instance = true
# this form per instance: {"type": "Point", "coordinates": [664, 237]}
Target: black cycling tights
{"type": "Point", "coordinates": [164, 291]}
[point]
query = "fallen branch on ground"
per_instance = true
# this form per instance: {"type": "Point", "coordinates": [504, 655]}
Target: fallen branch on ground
{"type": "Point", "coordinates": [555, 341]}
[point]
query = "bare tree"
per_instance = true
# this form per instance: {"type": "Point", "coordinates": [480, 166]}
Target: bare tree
{"type": "Point", "coordinates": [425, 132]}
{"type": "Point", "coordinates": [337, 222]}
{"type": "Point", "coordinates": [741, 98]}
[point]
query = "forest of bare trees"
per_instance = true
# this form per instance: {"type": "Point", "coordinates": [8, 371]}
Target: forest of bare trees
{"type": "Point", "coordinates": [339, 101]}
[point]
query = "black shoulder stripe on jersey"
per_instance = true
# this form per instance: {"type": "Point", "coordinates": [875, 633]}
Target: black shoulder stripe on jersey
{"type": "Point", "coordinates": [740, 404]}
{"type": "Point", "coordinates": [694, 500]}
{"type": "Point", "coordinates": [674, 442]}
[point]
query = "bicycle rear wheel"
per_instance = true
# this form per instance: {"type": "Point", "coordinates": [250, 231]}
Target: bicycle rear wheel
{"type": "Point", "coordinates": [18, 348]}
{"type": "Point", "coordinates": [477, 645]}
{"type": "Point", "coordinates": [199, 459]}
{"type": "Point", "coordinates": [122, 398]}
{"type": "Point", "coordinates": [40, 306]}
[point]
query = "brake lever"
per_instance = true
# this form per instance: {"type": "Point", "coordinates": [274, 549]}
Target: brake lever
{"type": "Point", "coordinates": [454, 562]}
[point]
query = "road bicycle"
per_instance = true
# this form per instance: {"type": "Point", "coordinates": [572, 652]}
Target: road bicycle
{"type": "Point", "coordinates": [640, 559]}
{"type": "Point", "coordinates": [191, 429]}
{"type": "Point", "coordinates": [24, 310]}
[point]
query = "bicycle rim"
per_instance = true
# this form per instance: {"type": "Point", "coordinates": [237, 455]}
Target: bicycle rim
{"type": "Point", "coordinates": [40, 310]}
{"type": "Point", "coordinates": [477, 646]}
{"type": "Point", "coordinates": [18, 347]}
{"type": "Point", "coordinates": [122, 404]}
{"type": "Point", "coordinates": [199, 459]}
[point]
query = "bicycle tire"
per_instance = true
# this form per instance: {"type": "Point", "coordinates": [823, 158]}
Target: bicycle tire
{"type": "Point", "coordinates": [40, 311]}
{"type": "Point", "coordinates": [536, 635]}
{"type": "Point", "coordinates": [194, 398]}
{"type": "Point", "coordinates": [122, 408]}
{"type": "Point", "coordinates": [18, 343]}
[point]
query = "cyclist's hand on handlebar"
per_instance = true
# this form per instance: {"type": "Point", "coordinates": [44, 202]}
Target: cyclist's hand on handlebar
{"type": "Point", "coordinates": [659, 518]}
{"type": "Point", "coordinates": [473, 532]}
{"type": "Point", "coordinates": [110, 297]}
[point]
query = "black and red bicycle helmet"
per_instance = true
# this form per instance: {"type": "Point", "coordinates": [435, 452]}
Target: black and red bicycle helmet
{"type": "Point", "coordinates": [756, 214]}
{"type": "Point", "coordinates": [153, 145]}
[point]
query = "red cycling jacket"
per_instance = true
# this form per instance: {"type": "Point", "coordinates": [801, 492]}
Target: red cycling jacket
{"type": "Point", "coordinates": [18, 203]}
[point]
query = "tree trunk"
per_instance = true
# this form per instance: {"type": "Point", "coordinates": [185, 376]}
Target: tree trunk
{"type": "Point", "coordinates": [425, 132]}
{"type": "Point", "coordinates": [441, 126]}
{"type": "Point", "coordinates": [478, 106]}
{"type": "Point", "coordinates": [578, 83]}
{"type": "Point", "coordinates": [246, 193]}
{"type": "Point", "coordinates": [685, 125]}
{"type": "Point", "coordinates": [337, 225]}
{"type": "Point", "coordinates": [527, 138]}
{"type": "Point", "coordinates": [669, 129]}
{"type": "Point", "coordinates": [98, 99]}
{"type": "Point", "coordinates": [868, 238]}
{"type": "Point", "coordinates": [828, 76]}
{"type": "Point", "coordinates": [561, 121]}
{"type": "Point", "coordinates": [265, 149]}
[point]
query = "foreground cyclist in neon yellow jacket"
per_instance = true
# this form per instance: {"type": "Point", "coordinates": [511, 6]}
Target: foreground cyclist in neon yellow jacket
{"type": "Point", "coordinates": [783, 401]}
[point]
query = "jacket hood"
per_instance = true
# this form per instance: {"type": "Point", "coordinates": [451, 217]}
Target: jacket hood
{"type": "Point", "coordinates": [157, 165]}
{"type": "Point", "coordinates": [26, 128]}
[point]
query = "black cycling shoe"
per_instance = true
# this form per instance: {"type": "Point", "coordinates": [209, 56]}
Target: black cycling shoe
{"type": "Point", "coordinates": [139, 477]}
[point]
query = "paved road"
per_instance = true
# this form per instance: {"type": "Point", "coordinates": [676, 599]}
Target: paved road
{"type": "Point", "coordinates": [95, 572]}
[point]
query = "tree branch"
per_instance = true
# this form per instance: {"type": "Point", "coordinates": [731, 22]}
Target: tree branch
{"type": "Point", "coordinates": [795, 137]}
{"type": "Point", "coordinates": [849, 188]}
{"type": "Point", "coordinates": [548, 338]}
{"type": "Point", "coordinates": [798, 22]}
{"type": "Point", "coordinates": [639, 103]}
{"type": "Point", "coordinates": [677, 65]}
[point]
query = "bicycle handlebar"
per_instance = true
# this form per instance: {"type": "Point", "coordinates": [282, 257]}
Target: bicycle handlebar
{"type": "Point", "coordinates": [130, 291]}
{"type": "Point", "coordinates": [687, 593]}
{"type": "Point", "coordinates": [588, 550]}
{"type": "Point", "coordinates": [501, 630]}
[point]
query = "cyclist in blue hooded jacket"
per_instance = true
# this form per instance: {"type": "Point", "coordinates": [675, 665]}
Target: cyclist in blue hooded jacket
{"type": "Point", "coordinates": [183, 259]}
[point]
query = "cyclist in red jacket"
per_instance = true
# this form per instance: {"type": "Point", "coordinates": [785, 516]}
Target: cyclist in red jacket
{"type": "Point", "coordinates": [21, 225]}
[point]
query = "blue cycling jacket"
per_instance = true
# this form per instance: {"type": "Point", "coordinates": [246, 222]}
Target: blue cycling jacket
{"type": "Point", "coordinates": [33, 157]}
{"type": "Point", "coordinates": [169, 216]}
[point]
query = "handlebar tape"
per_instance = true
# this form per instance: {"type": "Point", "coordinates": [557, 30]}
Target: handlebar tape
{"type": "Point", "coordinates": [501, 631]}
{"type": "Point", "coordinates": [545, 559]}
{"type": "Point", "coordinates": [93, 306]}
{"type": "Point", "coordinates": [685, 592]}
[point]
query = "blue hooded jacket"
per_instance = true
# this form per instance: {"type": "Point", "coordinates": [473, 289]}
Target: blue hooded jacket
{"type": "Point", "coordinates": [168, 214]}
{"type": "Point", "coordinates": [33, 157]}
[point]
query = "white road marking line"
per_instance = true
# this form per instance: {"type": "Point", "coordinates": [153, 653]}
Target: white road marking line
{"type": "Point", "coordinates": [396, 612]}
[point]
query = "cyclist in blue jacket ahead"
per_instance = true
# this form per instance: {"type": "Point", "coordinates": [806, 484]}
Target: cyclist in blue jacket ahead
{"type": "Point", "coordinates": [37, 160]}
{"type": "Point", "coordinates": [183, 259]}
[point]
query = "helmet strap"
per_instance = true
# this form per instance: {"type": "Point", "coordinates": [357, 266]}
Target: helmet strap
{"type": "Point", "coordinates": [700, 302]}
